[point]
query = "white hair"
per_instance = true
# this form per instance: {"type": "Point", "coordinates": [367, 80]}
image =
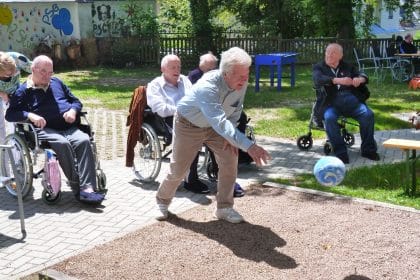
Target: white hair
{"type": "Point", "coordinates": [169, 57]}
{"type": "Point", "coordinates": [41, 59]}
{"type": "Point", "coordinates": [208, 58]}
{"type": "Point", "coordinates": [234, 56]}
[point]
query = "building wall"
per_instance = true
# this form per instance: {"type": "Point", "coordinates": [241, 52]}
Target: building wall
{"type": "Point", "coordinates": [23, 25]}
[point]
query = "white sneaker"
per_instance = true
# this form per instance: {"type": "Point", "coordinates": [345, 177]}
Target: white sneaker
{"type": "Point", "coordinates": [162, 212]}
{"type": "Point", "coordinates": [229, 214]}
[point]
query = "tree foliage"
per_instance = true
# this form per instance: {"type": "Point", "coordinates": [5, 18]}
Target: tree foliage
{"type": "Point", "coordinates": [140, 20]}
{"type": "Point", "coordinates": [175, 16]}
{"type": "Point", "coordinates": [285, 18]}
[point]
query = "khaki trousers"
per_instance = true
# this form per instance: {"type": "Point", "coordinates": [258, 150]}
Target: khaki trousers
{"type": "Point", "coordinates": [187, 140]}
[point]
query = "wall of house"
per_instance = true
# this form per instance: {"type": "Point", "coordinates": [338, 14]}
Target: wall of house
{"type": "Point", "coordinates": [23, 25]}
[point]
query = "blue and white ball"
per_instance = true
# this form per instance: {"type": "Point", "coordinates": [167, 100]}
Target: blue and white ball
{"type": "Point", "coordinates": [329, 171]}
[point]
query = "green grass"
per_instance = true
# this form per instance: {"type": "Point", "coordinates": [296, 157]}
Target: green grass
{"type": "Point", "coordinates": [279, 114]}
{"type": "Point", "coordinates": [383, 183]}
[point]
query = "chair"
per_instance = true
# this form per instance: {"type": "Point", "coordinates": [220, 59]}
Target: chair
{"type": "Point", "coordinates": [366, 63]}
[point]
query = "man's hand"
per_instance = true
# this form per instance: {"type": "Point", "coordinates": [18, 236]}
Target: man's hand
{"type": "Point", "coordinates": [358, 81]}
{"type": "Point", "coordinates": [228, 146]}
{"type": "Point", "coordinates": [70, 116]}
{"type": "Point", "coordinates": [38, 121]}
{"type": "Point", "coordinates": [259, 155]}
{"type": "Point", "coordinates": [345, 81]}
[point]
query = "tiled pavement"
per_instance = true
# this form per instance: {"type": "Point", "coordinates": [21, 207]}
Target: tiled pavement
{"type": "Point", "coordinates": [60, 231]}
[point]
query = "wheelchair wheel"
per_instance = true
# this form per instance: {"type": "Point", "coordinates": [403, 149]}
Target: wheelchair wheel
{"type": "Point", "coordinates": [305, 142]}
{"type": "Point", "coordinates": [147, 155]}
{"type": "Point", "coordinates": [348, 138]}
{"type": "Point", "coordinates": [23, 164]}
{"type": "Point", "coordinates": [328, 149]}
{"type": "Point", "coordinates": [49, 199]}
{"type": "Point", "coordinates": [211, 170]}
{"type": "Point", "coordinates": [249, 132]}
{"type": "Point", "coordinates": [101, 180]}
{"type": "Point", "coordinates": [203, 158]}
{"type": "Point", "coordinates": [402, 70]}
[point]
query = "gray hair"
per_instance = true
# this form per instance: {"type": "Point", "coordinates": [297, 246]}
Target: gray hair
{"type": "Point", "coordinates": [209, 58]}
{"type": "Point", "coordinates": [335, 46]}
{"type": "Point", "coordinates": [234, 56]}
{"type": "Point", "coordinates": [169, 57]}
{"type": "Point", "coordinates": [41, 59]}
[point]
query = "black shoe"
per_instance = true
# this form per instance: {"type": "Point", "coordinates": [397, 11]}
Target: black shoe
{"type": "Point", "coordinates": [238, 191]}
{"type": "Point", "coordinates": [344, 157]}
{"type": "Point", "coordinates": [372, 156]}
{"type": "Point", "coordinates": [197, 187]}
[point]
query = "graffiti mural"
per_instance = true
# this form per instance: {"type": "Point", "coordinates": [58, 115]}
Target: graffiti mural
{"type": "Point", "coordinates": [22, 27]}
{"type": "Point", "coordinates": [6, 15]}
{"type": "Point", "coordinates": [107, 20]}
{"type": "Point", "coordinates": [59, 18]}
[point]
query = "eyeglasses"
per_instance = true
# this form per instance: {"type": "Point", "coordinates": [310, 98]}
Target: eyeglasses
{"type": "Point", "coordinates": [45, 72]}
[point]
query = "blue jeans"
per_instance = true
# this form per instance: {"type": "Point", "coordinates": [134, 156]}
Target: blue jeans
{"type": "Point", "coordinates": [347, 105]}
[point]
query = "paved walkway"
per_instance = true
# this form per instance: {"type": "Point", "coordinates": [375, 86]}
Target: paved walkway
{"type": "Point", "coordinates": [63, 230]}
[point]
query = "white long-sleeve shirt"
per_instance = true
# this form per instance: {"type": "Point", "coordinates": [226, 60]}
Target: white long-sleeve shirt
{"type": "Point", "coordinates": [162, 97]}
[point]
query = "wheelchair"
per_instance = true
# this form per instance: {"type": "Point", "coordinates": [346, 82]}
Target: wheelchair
{"type": "Point", "coordinates": [27, 150]}
{"type": "Point", "coordinates": [154, 146]}
{"type": "Point", "coordinates": [305, 142]}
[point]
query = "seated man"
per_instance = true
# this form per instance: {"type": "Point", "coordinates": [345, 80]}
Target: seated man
{"type": "Point", "coordinates": [408, 47]}
{"type": "Point", "coordinates": [209, 62]}
{"type": "Point", "coordinates": [163, 94]}
{"type": "Point", "coordinates": [51, 107]}
{"type": "Point", "coordinates": [345, 95]}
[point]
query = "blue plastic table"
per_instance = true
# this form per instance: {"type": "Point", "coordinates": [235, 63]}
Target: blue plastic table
{"type": "Point", "coordinates": [275, 59]}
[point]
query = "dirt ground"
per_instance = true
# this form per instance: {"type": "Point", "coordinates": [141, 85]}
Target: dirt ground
{"type": "Point", "coordinates": [288, 235]}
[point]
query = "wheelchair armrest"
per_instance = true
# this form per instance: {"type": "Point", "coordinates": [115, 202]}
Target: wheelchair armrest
{"type": "Point", "coordinates": [27, 129]}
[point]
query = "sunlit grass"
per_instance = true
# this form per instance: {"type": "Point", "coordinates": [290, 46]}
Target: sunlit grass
{"type": "Point", "coordinates": [383, 183]}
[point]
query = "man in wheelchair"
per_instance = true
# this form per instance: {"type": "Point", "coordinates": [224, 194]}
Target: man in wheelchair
{"type": "Point", "coordinates": [50, 106]}
{"type": "Point", "coordinates": [346, 93]}
{"type": "Point", "coordinates": [163, 94]}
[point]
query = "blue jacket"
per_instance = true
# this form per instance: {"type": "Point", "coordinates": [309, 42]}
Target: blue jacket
{"type": "Point", "coordinates": [50, 104]}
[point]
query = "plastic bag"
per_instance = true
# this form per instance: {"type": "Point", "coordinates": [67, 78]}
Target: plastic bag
{"type": "Point", "coordinates": [52, 172]}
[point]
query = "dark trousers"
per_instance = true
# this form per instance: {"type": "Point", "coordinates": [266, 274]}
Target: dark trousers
{"type": "Point", "coordinates": [347, 105]}
{"type": "Point", "coordinates": [74, 154]}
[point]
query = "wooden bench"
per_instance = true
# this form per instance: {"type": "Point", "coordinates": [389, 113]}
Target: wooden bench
{"type": "Point", "coordinates": [407, 146]}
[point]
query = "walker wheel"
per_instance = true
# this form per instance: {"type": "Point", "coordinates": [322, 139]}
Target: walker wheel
{"type": "Point", "coordinates": [49, 199]}
{"type": "Point", "coordinates": [304, 142]}
{"type": "Point", "coordinates": [328, 148]}
{"type": "Point", "coordinates": [348, 139]}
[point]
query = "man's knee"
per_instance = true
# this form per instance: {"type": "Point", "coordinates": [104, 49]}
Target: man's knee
{"type": "Point", "coordinates": [330, 117]}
